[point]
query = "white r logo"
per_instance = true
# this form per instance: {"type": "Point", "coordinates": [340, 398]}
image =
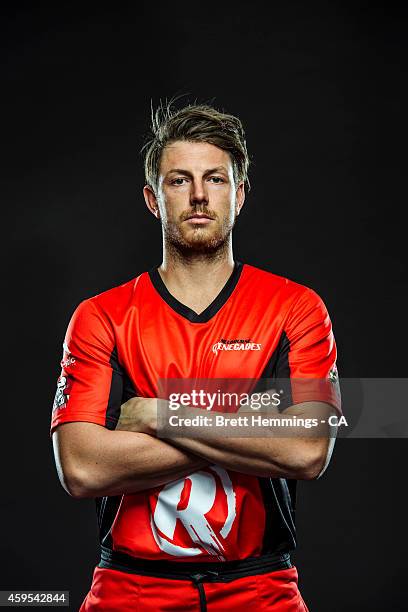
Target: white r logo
{"type": "Point", "coordinates": [201, 500]}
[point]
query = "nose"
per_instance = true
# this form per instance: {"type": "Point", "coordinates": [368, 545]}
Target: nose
{"type": "Point", "coordinates": [198, 194]}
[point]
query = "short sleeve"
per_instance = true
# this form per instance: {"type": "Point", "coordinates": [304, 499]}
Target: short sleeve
{"type": "Point", "coordinates": [90, 385]}
{"type": "Point", "coordinates": [308, 353]}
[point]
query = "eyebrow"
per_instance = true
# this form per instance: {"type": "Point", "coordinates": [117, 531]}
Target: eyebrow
{"type": "Point", "coordinates": [188, 173]}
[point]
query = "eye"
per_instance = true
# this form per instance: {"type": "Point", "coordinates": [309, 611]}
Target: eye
{"type": "Point", "coordinates": [178, 181]}
{"type": "Point", "coordinates": [217, 179]}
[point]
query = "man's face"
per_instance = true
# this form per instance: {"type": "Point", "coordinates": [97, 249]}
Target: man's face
{"type": "Point", "coordinates": [197, 198]}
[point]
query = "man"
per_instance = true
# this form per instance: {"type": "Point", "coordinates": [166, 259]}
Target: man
{"type": "Point", "coordinates": [189, 523]}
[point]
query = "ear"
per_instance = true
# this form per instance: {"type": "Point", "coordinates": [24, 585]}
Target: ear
{"type": "Point", "coordinates": [240, 197]}
{"type": "Point", "coordinates": [151, 201]}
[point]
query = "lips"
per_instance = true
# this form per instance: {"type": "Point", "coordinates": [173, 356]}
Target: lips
{"type": "Point", "coordinates": [199, 220]}
{"type": "Point", "coordinates": [198, 216]}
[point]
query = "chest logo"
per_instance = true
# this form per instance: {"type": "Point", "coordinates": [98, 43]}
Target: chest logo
{"type": "Point", "coordinates": [236, 344]}
{"type": "Point", "coordinates": [203, 497]}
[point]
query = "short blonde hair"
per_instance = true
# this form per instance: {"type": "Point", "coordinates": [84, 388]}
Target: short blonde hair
{"type": "Point", "coordinates": [195, 123]}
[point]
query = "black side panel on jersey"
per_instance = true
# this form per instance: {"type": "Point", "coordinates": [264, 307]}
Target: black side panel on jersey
{"type": "Point", "coordinates": [278, 369]}
{"type": "Point", "coordinates": [107, 508]}
{"type": "Point", "coordinates": [279, 494]}
{"type": "Point", "coordinates": [121, 390]}
{"type": "Point", "coordinates": [280, 530]}
{"type": "Point", "coordinates": [116, 392]}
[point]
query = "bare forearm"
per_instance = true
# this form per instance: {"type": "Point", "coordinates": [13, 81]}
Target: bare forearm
{"type": "Point", "coordinates": [99, 462]}
{"type": "Point", "coordinates": [284, 449]}
{"type": "Point", "coordinates": [135, 462]}
{"type": "Point", "coordinates": [270, 457]}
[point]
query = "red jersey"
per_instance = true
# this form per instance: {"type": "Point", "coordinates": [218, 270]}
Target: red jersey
{"type": "Point", "coordinates": [121, 342]}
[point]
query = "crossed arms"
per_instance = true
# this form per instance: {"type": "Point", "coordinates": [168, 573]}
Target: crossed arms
{"type": "Point", "coordinates": [93, 461]}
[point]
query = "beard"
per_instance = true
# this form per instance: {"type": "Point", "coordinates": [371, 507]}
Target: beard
{"type": "Point", "coordinates": [200, 240]}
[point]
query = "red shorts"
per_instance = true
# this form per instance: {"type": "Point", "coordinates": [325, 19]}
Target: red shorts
{"type": "Point", "coordinates": [116, 591]}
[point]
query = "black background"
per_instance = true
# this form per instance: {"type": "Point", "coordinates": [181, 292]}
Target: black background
{"type": "Point", "coordinates": [321, 90]}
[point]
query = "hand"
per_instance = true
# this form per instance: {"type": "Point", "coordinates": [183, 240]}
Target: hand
{"type": "Point", "coordinates": [139, 414]}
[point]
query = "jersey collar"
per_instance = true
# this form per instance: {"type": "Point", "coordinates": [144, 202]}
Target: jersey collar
{"type": "Point", "coordinates": [187, 312]}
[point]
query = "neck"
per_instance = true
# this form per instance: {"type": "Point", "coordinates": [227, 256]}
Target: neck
{"type": "Point", "coordinates": [195, 278]}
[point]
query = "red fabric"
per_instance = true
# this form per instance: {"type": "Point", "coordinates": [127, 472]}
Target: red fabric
{"type": "Point", "coordinates": [115, 591]}
{"type": "Point", "coordinates": [131, 332]}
